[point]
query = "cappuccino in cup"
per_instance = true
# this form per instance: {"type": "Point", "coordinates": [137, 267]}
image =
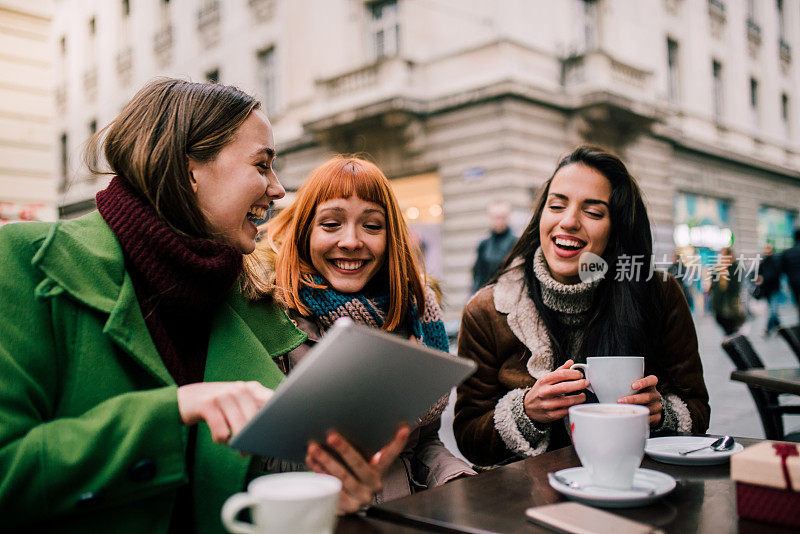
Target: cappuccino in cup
{"type": "Point", "coordinates": [609, 440]}
{"type": "Point", "coordinates": [301, 503]}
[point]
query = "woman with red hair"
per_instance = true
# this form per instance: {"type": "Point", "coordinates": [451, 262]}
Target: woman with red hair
{"type": "Point", "coordinates": [342, 249]}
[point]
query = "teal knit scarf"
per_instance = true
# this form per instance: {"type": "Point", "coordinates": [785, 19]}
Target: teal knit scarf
{"type": "Point", "coordinates": [327, 305]}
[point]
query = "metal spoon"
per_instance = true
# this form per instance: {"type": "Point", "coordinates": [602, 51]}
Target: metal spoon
{"type": "Point", "coordinates": [575, 485]}
{"type": "Point", "coordinates": [725, 443]}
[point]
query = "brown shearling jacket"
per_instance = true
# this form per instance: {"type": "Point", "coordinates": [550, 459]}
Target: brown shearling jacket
{"type": "Point", "coordinates": [501, 332]}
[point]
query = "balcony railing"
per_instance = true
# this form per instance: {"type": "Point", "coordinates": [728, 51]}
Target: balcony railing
{"type": "Point", "coordinates": [208, 14]}
{"type": "Point", "coordinates": [785, 51]}
{"type": "Point", "coordinates": [716, 11]}
{"type": "Point", "coordinates": [753, 31]}
{"type": "Point", "coordinates": [262, 9]}
{"type": "Point", "coordinates": [387, 72]}
{"type": "Point", "coordinates": [61, 95]}
{"type": "Point", "coordinates": [125, 60]}
{"type": "Point", "coordinates": [90, 79]}
{"type": "Point", "coordinates": [162, 40]}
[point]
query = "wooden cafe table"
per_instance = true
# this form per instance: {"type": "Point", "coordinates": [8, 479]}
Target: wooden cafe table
{"type": "Point", "coordinates": [495, 501]}
{"type": "Point", "coordinates": [778, 380]}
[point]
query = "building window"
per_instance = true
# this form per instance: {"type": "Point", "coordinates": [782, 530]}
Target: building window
{"type": "Point", "coordinates": [753, 27]}
{"type": "Point", "coordinates": [716, 69]}
{"type": "Point", "coordinates": [64, 167]}
{"type": "Point", "coordinates": [785, 112]}
{"type": "Point", "coordinates": [672, 71]}
{"type": "Point", "coordinates": [385, 28]}
{"type": "Point", "coordinates": [62, 45]}
{"type": "Point", "coordinates": [126, 8]}
{"type": "Point", "coordinates": [212, 76]}
{"type": "Point", "coordinates": [267, 79]}
{"type": "Point", "coordinates": [587, 26]}
{"type": "Point", "coordinates": [754, 100]}
{"type": "Point", "coordinates": [92, 27]}
{"type": "Point", "coordinates": [781, 21]}
{"type": "Point", "coordinates": [93, 156]}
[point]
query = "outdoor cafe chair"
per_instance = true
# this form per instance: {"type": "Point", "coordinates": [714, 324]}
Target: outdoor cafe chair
{"type": "Point", "coordinates": [744, 357]}
{"type": "Point", "coordinates": [792, 336]}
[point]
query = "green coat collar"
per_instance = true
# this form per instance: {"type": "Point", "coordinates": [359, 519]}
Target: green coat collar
{"type": "Point", "coordinates": [83, 258]}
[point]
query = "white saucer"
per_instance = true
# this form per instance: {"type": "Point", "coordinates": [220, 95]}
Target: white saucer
{"type": "Point", "coordinates": [666, 450]}
{"type": "Point", "coordinates": [661, 483]}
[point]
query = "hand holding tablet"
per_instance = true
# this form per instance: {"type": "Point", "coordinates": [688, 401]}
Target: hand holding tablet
{"type": "Point", "coordinates": [358, 381]}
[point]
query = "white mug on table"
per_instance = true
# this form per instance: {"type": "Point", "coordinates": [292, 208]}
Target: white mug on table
{"type": "Point", "coordinates": [610, 377]}
{"type": "Point", "coordinates": [300, 502]}
{"type": "Point", "coordinates": [609, 440]}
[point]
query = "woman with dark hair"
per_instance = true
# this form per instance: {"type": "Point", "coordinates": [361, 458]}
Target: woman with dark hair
{"type": "Point", "coordinates": [343, 249]}
{"type": "Point", "coordinates": [125, 328]}
{"type": "Point", "coordinates": [539, 316]}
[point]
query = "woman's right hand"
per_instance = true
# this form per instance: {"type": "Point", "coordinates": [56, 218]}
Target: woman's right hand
{"type": "Point", "coordinates": [225, 406]}
{"type": "Point", "coordinates": [551, 396]}
{"type": "Point", "coordinates": [361, 478]}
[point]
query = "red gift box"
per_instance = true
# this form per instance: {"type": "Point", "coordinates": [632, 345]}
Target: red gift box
{"type": "Point", "coordinates": [767, 479]}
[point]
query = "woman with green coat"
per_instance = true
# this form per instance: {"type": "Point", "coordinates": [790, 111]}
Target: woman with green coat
{"type": "Point", "coordinates": [128, 357]}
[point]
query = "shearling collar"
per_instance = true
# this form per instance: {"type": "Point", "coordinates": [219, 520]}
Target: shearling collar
{"type": "Point", "coordinates": [511, 298]}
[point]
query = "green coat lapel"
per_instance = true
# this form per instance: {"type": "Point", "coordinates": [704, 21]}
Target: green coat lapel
{"type": "Point", "coordinates": [84, 259]}
{"type": "Point", "coordinates": [126, 327]}
{"type": "Point", "coordinates": [242, 335]}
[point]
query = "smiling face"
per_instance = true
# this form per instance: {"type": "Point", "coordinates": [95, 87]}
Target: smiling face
{"type": "Point", "coordinates": [576, 219]}
{"type": "Point", "coordinates": [347, 244]}
{"type": "Point", "coordinates": [235, 189]}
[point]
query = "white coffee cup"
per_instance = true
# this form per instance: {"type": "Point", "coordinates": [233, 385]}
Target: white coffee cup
{"type": "Point", "coordinates": [609, 440]}
{"type": "Point", "coordinates": [301, 503]}
{"type": "Point", "coordinates": [610, 377]}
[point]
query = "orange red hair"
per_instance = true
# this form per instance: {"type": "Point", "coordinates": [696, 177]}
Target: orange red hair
{"type": "Point", "coordinates": [289, 232]}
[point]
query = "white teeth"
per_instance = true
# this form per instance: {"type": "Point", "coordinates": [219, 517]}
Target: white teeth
{"type": "Point", "coordinates": [348, 265]}
{"type": "Point", "coordinates": [568, 242]}
{"type": "Point", "coordinates": [258, 212]}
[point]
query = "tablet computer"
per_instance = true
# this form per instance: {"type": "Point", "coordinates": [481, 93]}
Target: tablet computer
{"type": "Point", "coordinates": [359, 381]}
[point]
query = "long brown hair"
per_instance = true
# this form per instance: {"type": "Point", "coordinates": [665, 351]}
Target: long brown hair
{"type": "Point", "coordinates": [288, 235]}
{"type": "Point", "coordinates": [150, 141]}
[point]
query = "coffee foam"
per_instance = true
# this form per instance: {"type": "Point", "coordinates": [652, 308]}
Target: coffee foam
{"type": "Point", "coordinates": [609, 409]}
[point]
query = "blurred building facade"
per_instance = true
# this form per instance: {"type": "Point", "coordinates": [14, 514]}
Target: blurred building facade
{"type": "Point", "coordinates": [27, 170]}
{"type": "Point", "coordinates": [462, 102]}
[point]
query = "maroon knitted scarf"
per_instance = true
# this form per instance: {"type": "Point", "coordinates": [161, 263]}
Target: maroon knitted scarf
{"type": "Point", "coordinates": [179, 281]}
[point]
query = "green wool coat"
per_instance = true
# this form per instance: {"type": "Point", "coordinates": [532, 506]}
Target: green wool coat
{"type": "Point", "coordinates": [91, 438]}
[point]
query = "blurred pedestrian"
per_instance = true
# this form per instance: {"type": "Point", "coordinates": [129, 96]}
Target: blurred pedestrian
{"type": "Point", "coordinates": [678, 270]}
{"type": "Point", "coordinates": [790, 265]}
{"type": "Point", "coordinates": [494, 249]}
{"type": "Point", "coordinates": [725, 291]}
{"type": "Point", "coordinates": [768, 285]}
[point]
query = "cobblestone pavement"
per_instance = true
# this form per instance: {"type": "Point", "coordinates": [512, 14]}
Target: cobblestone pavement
{"type": "Point", "coordinates": [732, 409]}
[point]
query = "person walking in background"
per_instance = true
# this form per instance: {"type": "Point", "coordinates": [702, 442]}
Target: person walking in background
{"type": "Point", "coordinates": [342, 249]}
{"type": "Point", "coordinates": [790, 265]}
{"type": "Point", "coordinates": [494, 249]}
{"type": "Point", "coordinates": [768, 286]}
{"type": "Point", "coordinates": [725, 291]}
{"type": "Point", "coordinates": [527, 328]}
{"type": "Point", "coordinates": [678, 270]}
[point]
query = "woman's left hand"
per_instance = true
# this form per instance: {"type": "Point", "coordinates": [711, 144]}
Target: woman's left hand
{"type": "Point", "coordinates": [361, 479]}
{"type": "Point", "coordinates": [647, 396]}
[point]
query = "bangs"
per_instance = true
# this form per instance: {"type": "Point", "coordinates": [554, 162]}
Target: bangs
{"type": "Point", "coordinates": [343, 178]}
